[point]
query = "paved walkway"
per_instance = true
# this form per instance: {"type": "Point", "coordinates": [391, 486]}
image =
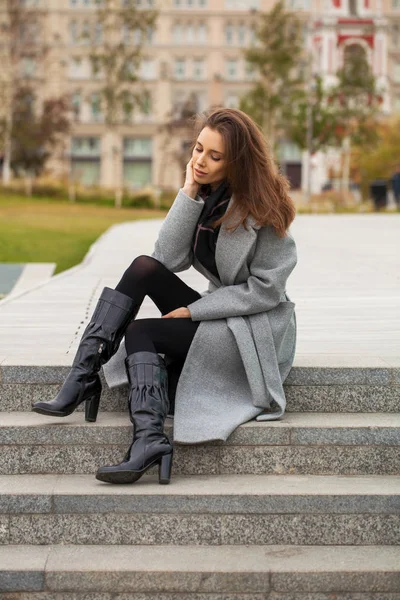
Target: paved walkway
{"type": "Point", "coordinates": [346, 287]}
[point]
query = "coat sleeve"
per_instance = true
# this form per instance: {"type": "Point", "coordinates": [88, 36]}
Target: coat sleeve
{"type": "Point", "coordinates": [173, 245]}
{"type": "Point", "coordinates": [273, 261]}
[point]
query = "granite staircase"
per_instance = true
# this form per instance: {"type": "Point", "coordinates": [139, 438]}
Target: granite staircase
{"type": "Point", "coordinates": [306, 508]}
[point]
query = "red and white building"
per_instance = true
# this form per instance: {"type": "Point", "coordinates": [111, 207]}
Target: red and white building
{"type": "Point", "coordinates": [333, 29]}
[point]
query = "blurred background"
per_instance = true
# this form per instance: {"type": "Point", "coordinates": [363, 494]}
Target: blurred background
{"type": "Point", "coordinates": [96, 98]}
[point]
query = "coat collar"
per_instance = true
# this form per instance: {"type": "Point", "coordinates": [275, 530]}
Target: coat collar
{"type": "Point", "coordinates": [233, 247]}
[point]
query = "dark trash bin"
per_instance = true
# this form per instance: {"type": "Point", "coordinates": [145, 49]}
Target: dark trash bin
{"type": "Point", "coordinates": [378, 190]}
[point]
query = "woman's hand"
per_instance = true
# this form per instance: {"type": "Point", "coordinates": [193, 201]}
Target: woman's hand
{"type": "Point", "coordinates": [179, 313]}
{"type": "Point", "coordinates": [190, 187]}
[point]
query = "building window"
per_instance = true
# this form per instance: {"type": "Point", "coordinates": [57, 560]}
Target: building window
{"type": "Point", "coordinates": [147, 69]}
{"type": "Point", "coordinates": [85, 146]}
{"type": "Point", "coordinates": [146, 107]}
{"type": "Point", "coordinates": [79, 68]}
{"type": "Point", "coordinates": [140, 109]}
{"type": "Point", "coordinates": [138, 147]}
{"type": "Point", "coordinates": [73, 32]}
{"type": "Point", "coordinates": [242, 4]}
{"type": "Point", "coordinates": [231, 68]}
{"type": "Point", "coordinates": [301, 5]}
{"type": "Point", "coordinates": [241, 33]}
{"type": "Point", "coordinates": [229, 34]}
{"type": "Point", "coordinates": [130, 35]}
{"type": "Point", "coordinates": [85, 3]}
{"type": "Point", "coordinates": [180, 68]}
{"type": "Point", "coordinates": [95, 107]}
{"type": "Point", "coordinates": [75, 68]}
{"type": "Point", "coordinates": [190, 3]}
{"type": "Point", "coordinates": [177, 33]}
{"type": "Point", "coordinates": [137, 162]}
{"type": "Point", "coordinates": [85, 160]}
{"type": "Point", "coordinates": [202, 33]}
{"type": "Point", "coordinates": [76, 104]}
{"type": "Point", "coordinates": [190, 34]}
{"type": "Point", "coordinates": [139, 3]}
{"type": "Point", "coordinates": [198, 68]}
{"type": "Point", "coordinates": [85, 35]}
{"type": "Point", "coordinates": [232, 100]}
{"type": "Point", "coordinates": [150, 35]}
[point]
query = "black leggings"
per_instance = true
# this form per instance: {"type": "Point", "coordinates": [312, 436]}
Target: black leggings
{"type": "Point", "coordinates": [147, 276]}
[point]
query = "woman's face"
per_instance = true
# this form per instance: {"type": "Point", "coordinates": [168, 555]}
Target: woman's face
{"type": "Point", "coordinates": [209, 162]}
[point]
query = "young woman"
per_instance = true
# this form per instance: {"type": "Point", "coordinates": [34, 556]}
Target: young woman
{"type": "Point", "coordinates": [235, 342]}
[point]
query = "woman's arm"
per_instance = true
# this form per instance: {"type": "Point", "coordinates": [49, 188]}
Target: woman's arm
{"type": "Point", "coordinates": [273, 261]}
{"type": "Point", "coordinates": [173, 245]}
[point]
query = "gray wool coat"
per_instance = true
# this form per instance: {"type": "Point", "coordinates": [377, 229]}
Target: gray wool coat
{"type": "Point", "coordinates": [244, 346]}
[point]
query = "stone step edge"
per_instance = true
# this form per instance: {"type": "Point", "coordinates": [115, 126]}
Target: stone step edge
{"type": "Point", "coordinates": [233, 494]}
{"type": "Point", "coordinates": [18, 397]}
{"type": "Point", "coordinates": [298, 376]}
{"type": "Point", "coordinates": [294, 429]}
{"type": "Point", "coordinates": [201, 569]}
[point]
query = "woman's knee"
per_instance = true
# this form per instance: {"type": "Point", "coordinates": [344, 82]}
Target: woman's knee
{"type": "Point", "coordinates": [139, 327]}
{"type": "Point", "coordinates": [142, 266]}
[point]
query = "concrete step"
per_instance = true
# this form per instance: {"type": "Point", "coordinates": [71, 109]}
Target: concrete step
{"type": "Point", "coordinates": [33, 274]}
{"type": "Point", "coordinates": [308, 389]}
{"type": "Point", "coordinates": [301, 443]}
{"type": "Point", "coordinates": [201, 573]}
{"type": "Point", "coordinates": [212, 510]}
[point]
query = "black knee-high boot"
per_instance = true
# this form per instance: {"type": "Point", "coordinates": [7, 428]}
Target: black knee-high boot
{"type": "Point", "coordinates": [100, 340]}
{"type": "Point", "coordinates": [148, 407]}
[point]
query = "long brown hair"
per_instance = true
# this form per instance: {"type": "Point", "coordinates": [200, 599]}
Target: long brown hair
{"type": "Point", "coordinates": [254, 179]}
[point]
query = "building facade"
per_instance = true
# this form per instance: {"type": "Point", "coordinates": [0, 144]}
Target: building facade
{"type": "Point", "coordinates": [194, 54]}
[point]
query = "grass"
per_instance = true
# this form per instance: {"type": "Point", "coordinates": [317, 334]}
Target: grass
{"type": "Point", "coordinates": [46, 230]}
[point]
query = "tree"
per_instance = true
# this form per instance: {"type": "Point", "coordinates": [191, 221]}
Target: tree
{"type": "Point", "coordinates": [377, 160]}
{"type": "Point", "coordinates": [342, 114]}
{"type": "Point", "coordinates": [116, 51]}
{"type": "Point", "coordinates": [178, 126]}
{"type": "Point", "coordinates": [323, 117]}
{"type": "Point", "coordinates": [276, 59]}
{"type": "Point", "coordinates": [35, 134]}
{"type": "Point", "coordinates": [355, 96]}
{"type": "Point", "coordinates": [358, 102]}
{"type": "Point", "coordinates": [22, 49]}
{"type": "Point", "coordinates": [345, 109]}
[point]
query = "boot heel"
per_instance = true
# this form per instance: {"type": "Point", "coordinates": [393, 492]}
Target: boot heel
{"type": "Point", "coordinates": [92, 408]}
{"type": "Point", "coordinates": [164, 469]}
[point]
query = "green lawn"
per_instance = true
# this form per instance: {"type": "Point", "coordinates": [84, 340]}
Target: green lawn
{"type": "Point", "coordinates": [45, 230]}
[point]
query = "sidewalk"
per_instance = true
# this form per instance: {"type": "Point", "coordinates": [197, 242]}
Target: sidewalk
{"type": "Point", "coordinates": [346, 287]}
